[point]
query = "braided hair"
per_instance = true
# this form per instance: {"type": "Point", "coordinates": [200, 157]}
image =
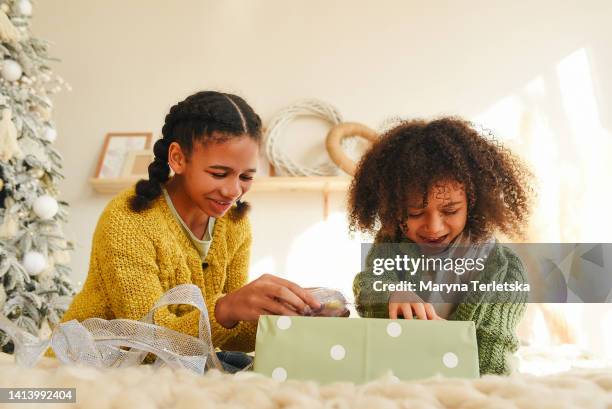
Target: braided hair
{"type": "Point", "coordinates": [200, 117]}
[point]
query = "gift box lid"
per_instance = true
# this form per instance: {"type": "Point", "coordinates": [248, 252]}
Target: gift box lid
{"type": "Point", "coordinates": [363, 349]}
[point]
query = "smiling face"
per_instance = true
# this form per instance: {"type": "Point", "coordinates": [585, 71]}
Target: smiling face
{"type": "Point", "coordinates": [216, 174]}
{"type": "Point", "coordinates": [443, 218]}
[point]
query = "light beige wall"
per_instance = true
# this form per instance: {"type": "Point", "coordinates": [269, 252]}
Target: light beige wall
{"type": "Point", "coordinates": [128, 61]}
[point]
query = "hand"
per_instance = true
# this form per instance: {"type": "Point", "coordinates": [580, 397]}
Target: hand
{"type": "Point", "coordinates": [407, 304]}
{"type": "Point", "coordinates": [267, 295]}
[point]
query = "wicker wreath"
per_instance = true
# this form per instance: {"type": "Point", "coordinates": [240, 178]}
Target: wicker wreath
{"type": "Point", "coordinates": [334, 143]}
{"type": "Point", "coordinates": [281, 162]}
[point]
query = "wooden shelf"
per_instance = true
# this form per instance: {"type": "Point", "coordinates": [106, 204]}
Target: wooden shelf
{"type": "Point", "coordinates": [111, 185]}
{"type": "Point", "coordinates": [323, 184]}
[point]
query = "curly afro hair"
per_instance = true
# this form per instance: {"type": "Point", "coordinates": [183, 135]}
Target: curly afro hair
{"type": "Point", "coordinates": [413, 157]}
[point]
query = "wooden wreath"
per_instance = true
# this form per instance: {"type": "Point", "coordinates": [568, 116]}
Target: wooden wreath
{"type": "Point", "coordinates": [335, 137]}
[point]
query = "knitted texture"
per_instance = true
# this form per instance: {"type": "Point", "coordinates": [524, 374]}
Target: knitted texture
{"type": "Point", "coordinates": [137, 257]}
{"type": "Point", "coordinates": [496, 316]}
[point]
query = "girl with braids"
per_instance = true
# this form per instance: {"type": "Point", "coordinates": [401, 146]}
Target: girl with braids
{"type": "Point", "coordinates": [438, 189]}
{"type": "Point", "coordinates": [189, 228]}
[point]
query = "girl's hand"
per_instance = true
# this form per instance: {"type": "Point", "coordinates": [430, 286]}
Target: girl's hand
{"type": "Point", "coordinates": [408, 304]}
{"type": "Point", "coordinates": [267, 295]}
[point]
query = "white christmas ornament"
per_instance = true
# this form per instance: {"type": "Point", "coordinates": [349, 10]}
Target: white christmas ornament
{"type": "Point", "coordinates": [24, 7]}
{"type": "Point", "coordinates": [34, 262]}
{"type": "Point", "coordinates": [11, 70]}
{"type": "Point", "coordinates": [45, 207]}
{"type": "Point", "coordinates": [50, 134]}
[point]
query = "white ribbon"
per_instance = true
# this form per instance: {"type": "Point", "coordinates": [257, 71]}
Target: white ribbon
{"type": "Point", "coordinates": [101, 343]}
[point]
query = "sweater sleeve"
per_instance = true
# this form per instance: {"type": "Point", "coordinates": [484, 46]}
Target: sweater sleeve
{"type": "Point", "coordinates": [496, 323]}
{"type": "Point", "coordinates": [497, 339]}
{"type": "Point", "coordinates": [242, 336]}
{"type": "Point", "coordinates": [129, 276]}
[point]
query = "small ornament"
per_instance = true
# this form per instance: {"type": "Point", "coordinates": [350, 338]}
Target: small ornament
{"type": "Point", "coordinates": [50, 134]}
{"type": "Point", "coordinates": [11, 70]}
{"type": "Point", "coordinates": [333, 303]}
{"type": "Point", "coordinates": [45, 207]}
{"type": "Point", "coordinates": [34, 262]}
{"type": "Point", "coordinates": [15, 313]}
{"type": "Point", "coordinates": [24, 7]}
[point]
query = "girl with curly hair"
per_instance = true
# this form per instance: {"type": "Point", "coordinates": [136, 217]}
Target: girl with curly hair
{"type": "Point", "coordinates": [189, 228]}
{"type": "Point", "coordinates": [439, 186]}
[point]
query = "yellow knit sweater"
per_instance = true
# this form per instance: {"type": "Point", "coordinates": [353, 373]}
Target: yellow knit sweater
{"type": "Point", "coordinates": [136, 257]}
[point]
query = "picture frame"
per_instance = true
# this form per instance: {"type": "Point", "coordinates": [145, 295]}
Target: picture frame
{"type": "Point", "coordinates": [117, 146]}
{"type": "Point", "coordinates": [136, 164]}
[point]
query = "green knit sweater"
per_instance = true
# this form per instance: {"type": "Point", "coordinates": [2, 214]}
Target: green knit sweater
{"type": "Point", "coordinates": [495, 316]}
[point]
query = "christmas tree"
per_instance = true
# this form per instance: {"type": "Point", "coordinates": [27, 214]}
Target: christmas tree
{"type": "Point", "coordinates": [35, 288]}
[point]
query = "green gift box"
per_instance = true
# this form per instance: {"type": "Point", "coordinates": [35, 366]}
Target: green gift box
{"type": "Point", "coordinates": [363, 349]}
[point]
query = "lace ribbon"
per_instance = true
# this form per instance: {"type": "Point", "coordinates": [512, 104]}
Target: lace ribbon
{"type": "Point", "coordinates": [122, 342]}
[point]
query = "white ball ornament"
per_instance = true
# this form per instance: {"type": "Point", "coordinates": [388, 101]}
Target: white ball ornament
{"type": "Point", "coordinates": [11, 70]}
{"type": "Point", "coordinates": [24, 7]}
{"type": "Point", "coordinates": [50, 134]}
{"type": "Point", "coordinates": [45, 207]}
{"type": "Point", "coordinates": [34, 262]}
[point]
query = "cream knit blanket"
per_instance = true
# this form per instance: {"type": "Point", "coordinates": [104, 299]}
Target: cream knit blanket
{"type": "Point", "coordinates": [145, 387]}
